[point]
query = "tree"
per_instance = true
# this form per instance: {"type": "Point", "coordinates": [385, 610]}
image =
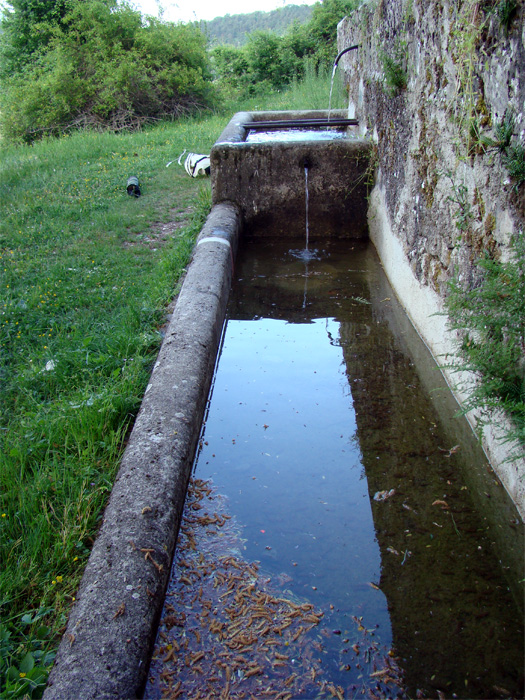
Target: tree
{"type": "Point", "coordinates": [322, 27]}
{"type": "Point", "coordinates": [271, 60]}
{"type": "Point", "coordinates": [104, 66]}
{"type": "Point", "coordinates": [27, 27]}
{"type": "Point", "coordinates": [230, 66]}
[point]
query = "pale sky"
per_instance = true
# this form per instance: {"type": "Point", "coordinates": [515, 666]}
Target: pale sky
{"type": "Point", "coordinates": [191, 10]}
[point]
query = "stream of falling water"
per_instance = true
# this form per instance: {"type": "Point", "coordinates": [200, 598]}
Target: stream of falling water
{"type": "Point", "coordinates": [305, 254]}
{"type": "Point", "coordinates": [334, 70]}
{"type": "Point", "coordinates": [306, 198]}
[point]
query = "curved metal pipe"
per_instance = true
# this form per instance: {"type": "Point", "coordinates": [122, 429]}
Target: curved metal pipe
{"type": "Point", "coordinates": [341, 53]}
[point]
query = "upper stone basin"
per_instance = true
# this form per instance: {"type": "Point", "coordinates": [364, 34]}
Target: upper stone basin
{"type": "Point", "coordinates": [267, 180]}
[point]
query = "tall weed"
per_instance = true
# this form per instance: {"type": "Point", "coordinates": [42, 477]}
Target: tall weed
{"type": "Point", "coordinates": [491, 323]}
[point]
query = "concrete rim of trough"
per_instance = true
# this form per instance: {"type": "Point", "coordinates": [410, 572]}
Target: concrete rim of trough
{"type": "Point", "coordinates": [105, 650]}
{"type": "Point", "coordinates": [234, 132]}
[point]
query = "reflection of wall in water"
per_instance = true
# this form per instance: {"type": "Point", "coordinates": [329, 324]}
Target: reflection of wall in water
{"type": "Point", "coordinates": [440, 596]}
{"type": "Point", "coordinates": [439, 589]}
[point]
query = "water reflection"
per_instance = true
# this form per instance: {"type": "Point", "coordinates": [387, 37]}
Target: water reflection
{"type": "Point", "coordinates": [297, 135]}
{"type": "Point", "coordinates": [333, 436]}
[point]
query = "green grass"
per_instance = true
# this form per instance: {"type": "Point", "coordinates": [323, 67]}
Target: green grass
{"type": "Point", "coordinates": [85, 282]}
{"type": "Point", "coordinates": [313, 91]}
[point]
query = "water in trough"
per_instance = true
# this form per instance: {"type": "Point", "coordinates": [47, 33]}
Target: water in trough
{"type": "Point", "coordinates": [343, 535]}
{"type": "Point", "coordinates": [287, 135]}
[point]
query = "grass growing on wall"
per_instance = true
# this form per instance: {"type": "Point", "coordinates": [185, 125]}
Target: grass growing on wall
{"type": "Point", "coordinates": [491, 322]}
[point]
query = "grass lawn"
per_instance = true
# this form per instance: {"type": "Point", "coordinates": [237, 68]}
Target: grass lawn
{"type": "Point", "coordinates": [87, 273]}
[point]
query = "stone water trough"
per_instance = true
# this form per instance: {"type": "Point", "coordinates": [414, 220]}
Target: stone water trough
{"type": "Point", "coordinates": [258, 189]}
{"type": "Point", "coordinates": [266, 179]}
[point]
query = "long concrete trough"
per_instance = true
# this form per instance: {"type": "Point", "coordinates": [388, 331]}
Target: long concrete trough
{"type": "Point", "coordinates": [105, 651]}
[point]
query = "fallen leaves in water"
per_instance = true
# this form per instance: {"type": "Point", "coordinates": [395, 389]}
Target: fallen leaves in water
{"type": "Point", "coordinates": [227, 633]}
{"type": "Point", "coordinates": [451, 451]}
{"type": "Point", "coordinates": [384, 495]}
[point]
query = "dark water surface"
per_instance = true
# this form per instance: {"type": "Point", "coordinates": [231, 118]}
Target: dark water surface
{"type": "Point", "coordinates": [332, 440]}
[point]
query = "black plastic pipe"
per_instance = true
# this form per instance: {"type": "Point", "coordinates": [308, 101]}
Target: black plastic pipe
{"type": "Point", "coordinates": [299, 124]}
{"type": "Point", "coordinates": [341, 53]}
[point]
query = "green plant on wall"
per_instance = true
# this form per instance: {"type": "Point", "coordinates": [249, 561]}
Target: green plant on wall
{"type": "Point", "coordinates": [491, 324]}
{"type": "Point", "coordinates": [395, 75]}
{"type": "Point", "coordinates": [468, 107]}
{"type": "Point", "coordinates": [513, 154]}
{"type": "Point", "coordinates": [514, 160]}
{"type": "Point", "coordinates": [394, 68]}
{"type": "Point", "coordinates": [460, 197]}
{"type": "Point", "coordinates": [504, 131]}
{"type": "Point", "coordinates": [469, 24]}
{"type": "Point", "coordinates": [506, 10]}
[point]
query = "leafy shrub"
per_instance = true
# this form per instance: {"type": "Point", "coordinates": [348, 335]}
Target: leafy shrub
{"type": "Point", "coordinates": [271, 59]}
{"type": "Point", "coordinates": [27, 27]}
{"type": "Point", "coordinates": [492, 325]}
{"type": "Point", "coordinates": [105, 66]}
{"type": "Point", "coordinates": [231, 69]}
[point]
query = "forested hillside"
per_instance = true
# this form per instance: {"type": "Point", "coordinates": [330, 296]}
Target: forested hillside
{"type": "Point", "coordinates": [234, 29]}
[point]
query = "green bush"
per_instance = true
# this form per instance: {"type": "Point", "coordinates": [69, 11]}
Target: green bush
{"type": "Point", "coordinates": [492, 325]}
{"type": "Point", "coordinates": [231, 70]}
{"type": "Point", "coordinates": [27, 27]}
{"type": "Point", "coordinates": [271, 59]}
{"type": "Point", "coordinates": [270, 62]}
{"type": "Point", "coordinates": [105, 66]}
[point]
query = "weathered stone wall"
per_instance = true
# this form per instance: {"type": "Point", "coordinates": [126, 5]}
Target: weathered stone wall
{"type": "Point", "coordinates": [442, 197]}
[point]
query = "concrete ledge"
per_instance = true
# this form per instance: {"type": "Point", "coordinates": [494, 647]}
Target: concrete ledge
{"type": "Point", "coordinates": [234, 131]}
{"type": "Point", "coordinates": [107, 645]}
